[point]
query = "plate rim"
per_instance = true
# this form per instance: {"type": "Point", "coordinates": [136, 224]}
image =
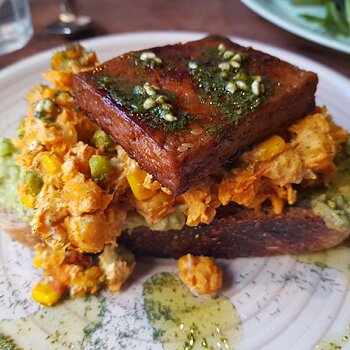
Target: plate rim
{"type": "Point", "coordinates": [40, 57]}
{"type": "Point", "coordinates": [304, 33]}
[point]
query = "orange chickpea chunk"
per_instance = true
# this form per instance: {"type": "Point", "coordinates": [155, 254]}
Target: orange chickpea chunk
{"type": "Point", "coordinates": [200, 274]}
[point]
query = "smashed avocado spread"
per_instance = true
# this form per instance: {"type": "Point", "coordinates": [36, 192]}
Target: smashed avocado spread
{"type": "Point", "coordinates": [333, 204]}
{"type": "Point", "coordinates": [10, 174]}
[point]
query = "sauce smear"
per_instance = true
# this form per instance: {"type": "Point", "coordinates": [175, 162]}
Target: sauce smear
{"type": "Point", "coordinates": [182, 321]}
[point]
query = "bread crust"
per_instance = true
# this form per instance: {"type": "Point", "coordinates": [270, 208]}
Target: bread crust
{"type": "Point", "coordinates": [16, 229]}
{"type": "Point", "coordinates": [238, 232]}
{"type": "Point", "coordinates": [235, 232]}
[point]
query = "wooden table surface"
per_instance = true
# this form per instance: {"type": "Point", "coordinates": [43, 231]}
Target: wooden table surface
{"type": "Point", "coordinates": [228, 17]}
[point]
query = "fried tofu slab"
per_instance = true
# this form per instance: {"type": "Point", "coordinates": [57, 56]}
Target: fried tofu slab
{"type": "Point", "coordinates": [181, 111]}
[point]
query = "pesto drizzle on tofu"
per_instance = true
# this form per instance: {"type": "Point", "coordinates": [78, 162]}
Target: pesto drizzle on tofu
{"type": "Point", "coordinates": [154, 107]}
{"type": "Point", "coordinates": [222, 81]}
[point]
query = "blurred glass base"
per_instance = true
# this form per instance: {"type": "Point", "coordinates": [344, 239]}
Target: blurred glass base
{"type": "Point", "coordinates": [16, 27]}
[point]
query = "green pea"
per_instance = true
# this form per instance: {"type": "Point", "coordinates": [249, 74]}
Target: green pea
{"type": "Point", "coordinates": [100, 167]}
{"type": "Point", "coordinates": [33, 182]}
{"type": "Point", "coordinates": [6, 147]}
{"type": "Point", "coordinates": [101, 139]}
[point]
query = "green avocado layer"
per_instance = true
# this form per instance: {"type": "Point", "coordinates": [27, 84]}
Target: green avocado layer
{"type": "Point", "coordinates": [333, 204]}
{"type": "Point", "coordinates": [10, 174]}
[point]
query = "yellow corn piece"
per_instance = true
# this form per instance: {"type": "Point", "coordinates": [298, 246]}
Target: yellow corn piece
{"type": "Point", "coordinates": [136, 179]}
{"type": "Point", "coordinates": [50, 164]}
{"type": "Point", "coordinates": [45, 294]}
{"type": "Point", "coordinates": [277, 204]}
{"type": "Point", "coordinates": [37, 262]}
{"type": "Point", "coordinates": [271, 147]}
{"type": "Point", "coordinates": [26, 199]}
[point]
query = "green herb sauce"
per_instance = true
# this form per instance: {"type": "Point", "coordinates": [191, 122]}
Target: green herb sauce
{"type": "Point", "coordinates": [211, 82]}
{"type": "Point", "coordinates": [123, 94]}
{"type": "Point", "coordinates": [183, 321]}
{"type": "Point", "coordinates": [7, 343]}
{"type": "Point", "coordinates": [333, 204]}
{"type": "Point", "coordinates": [68, 325]}
{"type": "Point", "coordinates": [339, 259]}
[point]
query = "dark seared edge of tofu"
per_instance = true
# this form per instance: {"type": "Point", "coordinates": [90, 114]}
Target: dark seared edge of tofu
{"type": "Point", "coordinates": [207, 131]}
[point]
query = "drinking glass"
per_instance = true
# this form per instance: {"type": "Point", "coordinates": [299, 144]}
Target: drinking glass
{"type": "Point", "coordinates": [16, 27]}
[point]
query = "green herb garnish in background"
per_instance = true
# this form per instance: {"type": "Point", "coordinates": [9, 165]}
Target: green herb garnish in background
{"type": "Point", "coordinates": [337, 16]}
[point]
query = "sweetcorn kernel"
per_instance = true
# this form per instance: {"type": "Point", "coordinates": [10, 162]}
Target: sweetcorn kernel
{"type": "Point", "coordinates": [136, 179]}
{"type": "Point", "coordinates": [44, 293]}
{"type": "Point", "coordinates": [271, 147]}
{"type": "Point", "coordinates": [26, 199]}
{"type": "Point", "coordinates": [50, 164]}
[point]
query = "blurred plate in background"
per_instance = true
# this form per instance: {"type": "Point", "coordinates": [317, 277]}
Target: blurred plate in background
{"type": "Point", "coordinates": [285, 15]}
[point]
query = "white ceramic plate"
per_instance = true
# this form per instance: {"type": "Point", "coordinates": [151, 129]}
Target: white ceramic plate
{"type": "Point", "coordinates": [281, 302]}
{"type": "Point", "coordinates": [285, 15]}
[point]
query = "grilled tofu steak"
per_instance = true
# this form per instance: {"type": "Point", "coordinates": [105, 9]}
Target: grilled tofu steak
{"type": "Point", "coordinates": [181, 111]}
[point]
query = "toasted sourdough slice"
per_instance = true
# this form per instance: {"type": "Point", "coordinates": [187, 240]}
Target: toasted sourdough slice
{"type": "Point", "coordinates": [200, 84]}
{"type": "Point", "coordinates": [235, 232]}
{"type": "Point", "coordinates": [238, 232]}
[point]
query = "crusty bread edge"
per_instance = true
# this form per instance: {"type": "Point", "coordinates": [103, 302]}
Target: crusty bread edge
{"type": "Point", "coordinates": [238, 232]}
{"type": "Point", "coordinates": [235, 232]}
{"type": "Point", "coordinates": [16, 228]}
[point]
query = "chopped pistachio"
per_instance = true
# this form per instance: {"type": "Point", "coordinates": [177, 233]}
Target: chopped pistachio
{"type": "Point", "coordinates": [255, 88]}
{"type": "Point", "coordinates": [149, 103]}
{"type": "Point", "coordinates": [224, 66]}
{"type": "Point", "coordinates": [158, 61]}
{"type": "Point", "coordinates": [242, 85]}
{"type": "Point", "coordinates": [150, 90]}
{"type": "Point", "coordinates": [166, 107]}
{"type": "Point", "coordinates": [169, 117]}
{"type": "Point", "coordinates": [228, 54]}
{"type": "Point", "coordinates": [231, 87]}
{"type": "Point", "coordinates": [221, 47]}
{"type": "Point", "coordinates": [237, 57]}
{"type": "Point", "coordinates": [235, 64]}
{"type": "Point", "coordinates": [192, 65]}
{"type": "Point", "coordinates": [160, 99]}
{"type": "Point", "coordinates": [257, 78]}
{"type": "Point", "coordinates": [147, 55]}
